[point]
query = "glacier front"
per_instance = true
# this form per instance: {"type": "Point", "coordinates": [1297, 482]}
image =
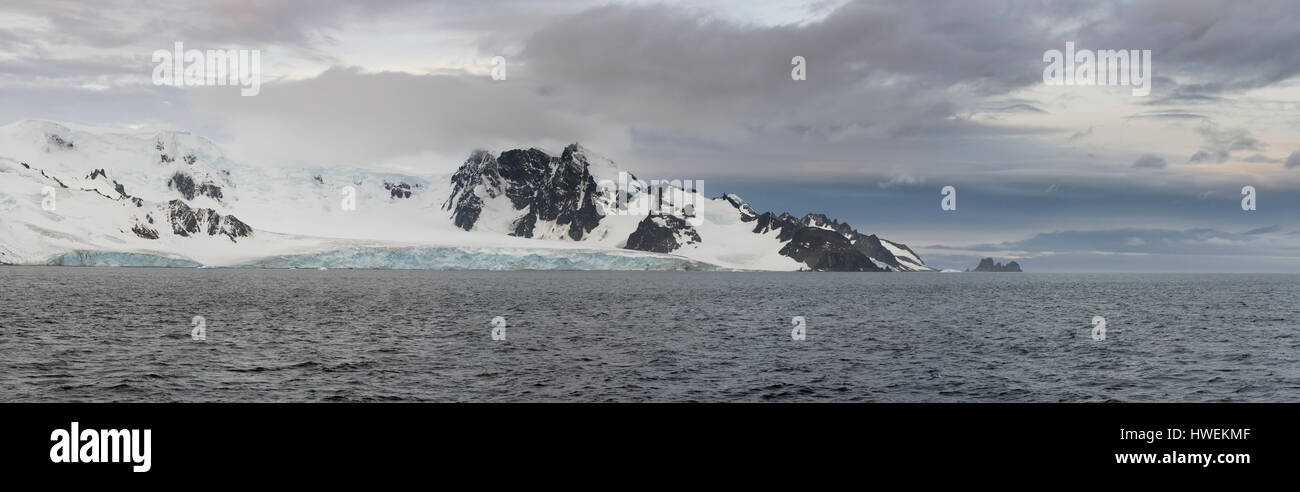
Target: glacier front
{"type": "Point", "coordinates": [439, 258]}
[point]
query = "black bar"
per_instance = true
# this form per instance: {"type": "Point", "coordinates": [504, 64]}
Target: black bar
{"type": "Point", "coordinates": [328, 441]}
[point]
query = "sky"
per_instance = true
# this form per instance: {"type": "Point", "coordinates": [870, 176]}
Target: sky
{"type": "Point", "coordinates": [900, 99]}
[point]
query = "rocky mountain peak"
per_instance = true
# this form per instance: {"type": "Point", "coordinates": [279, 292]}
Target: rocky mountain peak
{"type": "Point", "coordinates": [559, 190]}
{"type": "Point", "coordinates": [747, 213]}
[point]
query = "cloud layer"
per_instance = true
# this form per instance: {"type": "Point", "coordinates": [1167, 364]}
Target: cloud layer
{"type": "Point", "coordinates": [900, 99]}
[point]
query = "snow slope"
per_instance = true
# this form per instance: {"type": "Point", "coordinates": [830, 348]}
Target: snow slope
{"type": "Point", "coordinates": [123, 197]}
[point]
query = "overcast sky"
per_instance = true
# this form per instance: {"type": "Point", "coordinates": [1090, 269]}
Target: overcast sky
{"type": "Point", "coordinates": [901, 99]}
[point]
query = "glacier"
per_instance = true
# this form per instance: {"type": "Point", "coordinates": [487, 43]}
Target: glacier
{"type": "Point", "coordinates": [441, 258]}
{"type": "Point", "coordinates": [116, 259]}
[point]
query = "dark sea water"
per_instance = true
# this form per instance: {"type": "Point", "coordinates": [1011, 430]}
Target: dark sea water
{"type": "Point", "coordinates": [123, 334]}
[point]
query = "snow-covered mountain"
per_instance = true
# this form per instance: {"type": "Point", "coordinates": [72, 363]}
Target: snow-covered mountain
{"type": "Point", "coordinates": [76, 194]}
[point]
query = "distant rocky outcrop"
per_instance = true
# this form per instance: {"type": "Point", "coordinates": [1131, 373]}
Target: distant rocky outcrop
{"type": "Point", "coordinates": [987, 265]}
{"type": "Point", "coordinates": [662, 234]}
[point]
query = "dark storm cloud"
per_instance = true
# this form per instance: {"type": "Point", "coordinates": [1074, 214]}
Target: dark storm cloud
{"type": "Point", "coordinates": [638, 71]}
{"type": "Point", "coordinates": [1261, 158]}
{"type": "Point", "coordinates": [1217, 145]}
{"type": "Point", "coordinates": [1181, 98]}
{"type": "Point", "coordinates": [1207, 46]}
{"type": "Point", "coordinates": [1169, 115]}
{"type": "Point", "coordinates": [940, 53]}
{"type": "Point", "coordinates": [884, 66]}
{"type": "Point", "coordinates": [1021, 107]}
{"type": "Point", "coordinates": [1150, 161]}
{"type": "Point", "coordinates": [1293, 160]}
{"type": "Point", "coordinates": [303, 29]}
{"type": "Point", "coordinates": [1080, 135]}
{"type": "Point", "coordinates": [1263, 230]}
{"type": "Point", "coordinates": [1202, 241]}
{"type": "Point", "coordinates": [1204, 156]}
{"type": "Point", "coordinates": [110, 23]}
{"type": "Point", "coordinates": [1231, 140]}
{"type": "Point", "coordinates": [877, 71]}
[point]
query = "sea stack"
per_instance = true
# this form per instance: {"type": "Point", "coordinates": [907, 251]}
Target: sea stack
{"type": "Point", "coordinates": [987, 265]}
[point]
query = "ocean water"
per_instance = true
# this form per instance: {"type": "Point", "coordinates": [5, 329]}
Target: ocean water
{"type": "Point", "coordinates": [124, 334]}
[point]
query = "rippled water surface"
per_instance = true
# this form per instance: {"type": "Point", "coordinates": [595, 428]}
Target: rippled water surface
{"type": "Point", "coordinates": [123, 334]}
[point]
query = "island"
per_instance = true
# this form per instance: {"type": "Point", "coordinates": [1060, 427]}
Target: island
{"type": "Point", "coordinates": [987, 265]}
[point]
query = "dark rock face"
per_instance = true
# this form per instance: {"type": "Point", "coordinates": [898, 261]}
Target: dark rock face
{"type": "Point", "coordinates": [398, 190]}
{"type": "Point", "coordinates": [186, 221]}
{"type": "Point", "coordinates": [43, 175]}
{"type": "Point", "coordinates": [820, 220]}
{"type": "Point", "coordinates": [163, 158]}
{"type": "Point", "coordinates": [121, 190]}
{"type": "Point", "coordinates": [547, 188]}
{"type": "Point", "coordinates": [210, 190]}
{"type": "Point", "coordinates": [824, 250]}
{"type": "Point", "coordinates": [747, 213]}
{"type": "Point", "coordinates": [870, 246]}
{"type": "Point", "coordinates": [785, 223]}
{"type": "Point", "coordinates": [59, 143]}
{"type": "Point", "coordinates": [144, 232]}
{"type": "Point", "coordinates": [987, 265]}
{"type": "Point", "coordinates": [185, 185]}
{"type": "Point", "coordinates": [467, 211]}
{"type": "Point", "coordinates": [480, 169]}
{"type": "Point", "coordinates": [905, 248]}
{"type": "Point", "coordinates": [662, 234]}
